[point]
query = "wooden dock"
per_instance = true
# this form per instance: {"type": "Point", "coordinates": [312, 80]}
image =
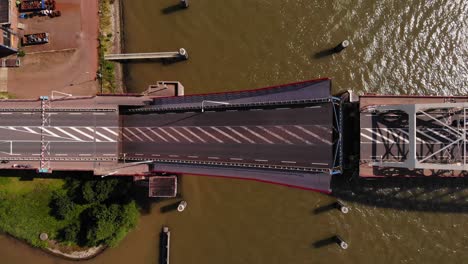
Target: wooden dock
{"type": "Point", "coordinates": [165, 245]}
{"type": "Point", "coordinates": [181, 54]}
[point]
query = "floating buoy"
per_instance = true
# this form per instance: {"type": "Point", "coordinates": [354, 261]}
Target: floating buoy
{"type": "Point", "coordinates": [182, 206]}
{"type": "Point", "coordinates": [340, 206]}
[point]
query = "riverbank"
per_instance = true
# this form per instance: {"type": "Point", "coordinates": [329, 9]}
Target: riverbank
{"type": "Point", "coordinates": [110, 41]}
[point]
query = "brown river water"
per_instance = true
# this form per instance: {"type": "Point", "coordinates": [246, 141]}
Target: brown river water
{"type": "Point", "coordinates": [417, 47]}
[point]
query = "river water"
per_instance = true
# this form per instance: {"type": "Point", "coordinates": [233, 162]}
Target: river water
{"type": "Point", "coordinates": [396, 47]}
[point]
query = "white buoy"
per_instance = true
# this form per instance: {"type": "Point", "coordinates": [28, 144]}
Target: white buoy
{"type": "Point", "coordinates": [343, 45]}
{"type": "Point", "coordinates": [183, 53]}
{"type": "Point", "coordinates": [342, 207]}
{"type": "Point", "coordinates": [182, 206]}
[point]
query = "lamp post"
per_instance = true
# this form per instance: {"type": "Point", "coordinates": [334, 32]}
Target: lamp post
{"type": "Point", "coordinates": [213, 102]}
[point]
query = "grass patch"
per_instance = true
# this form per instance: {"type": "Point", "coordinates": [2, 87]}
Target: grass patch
{"type": "Point", "coordinates": [106, 68]}
{"type": "Point", "coordinates": [24, 209]}
{"type": "Point", "coordinates": [6, 95]}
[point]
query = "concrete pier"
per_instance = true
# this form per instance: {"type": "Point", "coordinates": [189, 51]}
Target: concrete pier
{"type": "Point", "coordinates": [165, 245]}
{"type": "Point", "coordinates": [181, 54]}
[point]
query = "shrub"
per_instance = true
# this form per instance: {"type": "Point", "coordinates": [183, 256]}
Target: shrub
{"type": "Point", "coordinates": [62, 205]}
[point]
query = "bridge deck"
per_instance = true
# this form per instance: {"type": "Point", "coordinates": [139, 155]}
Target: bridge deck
{"type": "Point", "coordinates": [385, 136]}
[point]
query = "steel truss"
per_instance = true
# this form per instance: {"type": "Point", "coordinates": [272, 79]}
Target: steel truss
{"type": "Point", "coordinates": [457, 136]}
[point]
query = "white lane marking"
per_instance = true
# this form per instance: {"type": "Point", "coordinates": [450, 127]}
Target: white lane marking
{"type": "Point", "coordinates": [318, 163]}
{"type": "Point", "coordinates": [216, 158]}
{"type": "Point", "coordinates": [155, 155]}
{"type": "Point", "coordinates": [12, 128]}
{"type": "Point", "coordinates": [6, 113]}
{"type": "Point", "coordinates": [426, 135]}
{"type": "Point", "coordinates": [208, 134]}
{"type": "Point", "coordinates": [171, 136]}
{"type": "Point", "coordinates": [193, 134]}
{"type": "Point", "coordinates": [36, 154]}
{"type": "Point", "coordinates": [182, 135]}
{"type": "Point", "coordinates": [174, 156]}
{"type": "Point", "coordinates": [193, 157]}
{"type": "Point", "coordinates": [257, 135]}
{"type": "Point", "coordinates": [68, 134]}
{"type": "Point", "coordinates": [439, 134]}
{"type": "Point", "coordinates": [313, 135]}
{"type": "Point", "coordinates": [127, 137]}
{"type": "Point", "coordinates": [395, 135]}
{"type": "Point", "coordinates": [283, 108]}
{"type": "Point", "coordinates": [371, 139]}
{"type": "Point", "coordinates": [28, 114]}
{"type": "Point", "coordinates": [261, 160]}
{"type": "Point", "coordinates": [74, 113]}
{"type": "Point", "coordinates": [240, 135]}
{"type": "Point", "coordinates": [403, 131]}
{"type": "Point", "coordinates": [317, 106]}
{"type": "Point", "coordinates": [225, 134]}
{"type": "Point", "coordinates": [138, 154]}
{"type": "Point", "coordinates": [142, 133]}
{"type": "Point", "coordinates": [84, 154]}
{"type": "Point", "coordinates": [30, 130]}
{"type": "Point", "coordinates": [275, 135]}
{"type": "Point", "coordinates": [380, 135]}
{"type": "Point", "coordinates": [100, 134]}
{"type": "Point", "coordinates": [135, 135]}
{"type": "Point", "coordinates": [49, 132]}
{"type": "Point", "coordinates": [235, 159]}
{"type": "Point", "coordinates": [61, 154]}
{"type": "Point", "coordinates": [99, 113]}
{"type": "Point", "coordinates": [294, 135]}
{"type": "Point", "coordinates": [289, 162]}
{"type": "Point", "coordinates": [108, 154]}
{"type": "Point", "coordinates": [152, 131]}
{"type": "Point", "coordinates": [110, 131]}
{"type": "Point", "coordinates": [82, 133]}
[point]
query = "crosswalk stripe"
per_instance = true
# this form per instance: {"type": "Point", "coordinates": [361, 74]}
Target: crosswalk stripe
{"type": "Point", "coordinates": [275, 135]}
{"type": "Point", "coordinates": [240, 135]}
{"type": "Point", "coordinates": [294, 135]}
{"type": "Point", "coordinates": [142, 133]}
{"type": "Point", "coordinates": [182, 135]}
{"type": "Point", "coordinates": [68, 134]}
{"type": "Point", "coordinates": [313, 134]}
{"type": "Point", "coordinates": [168, 134]}
{"type": "Point", "coordinates": [100, 134]}
{"type": "Point", "coordinates": [225, 134]}
{"type": "Point", "coordinates": [84, 134]}
{"type": "Point", "coordinates": [208, 134]}
{"type": "Point", "coordinates": [110, 131]}
{"type": "Point", "coordinates": [193, 134]}
{"type": "Point", "coordinates": [135, 135]}
{"type": "Point", "coordinates": [152, 131]}
{"type": "Point", "coordinates": [257, 135]}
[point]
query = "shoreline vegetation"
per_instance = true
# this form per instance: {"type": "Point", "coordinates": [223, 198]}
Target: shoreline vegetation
{"type": "Point", "coordinates": [110, 41]}
{"type": "Point", "coordinates": [82, 216]}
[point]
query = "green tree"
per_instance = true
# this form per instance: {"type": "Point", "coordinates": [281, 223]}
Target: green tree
{"type": "Point", "coordinates": [102, 223]}
{"type": "Point", "coordinates": [70, 232]}
{"type": "Point", "coordinates": [62, 205]}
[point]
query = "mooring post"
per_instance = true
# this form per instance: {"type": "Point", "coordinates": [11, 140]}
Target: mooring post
{"type": "Point", "coordinates": [184, 3]}
{"type": "Point", "coordinates": [183, 53]}
{"type": "Point", "coordinates": [343, 45]}
{"type": "Point", "coordinates": [182, 206]}
{"type": "Point", "coordinates": [340, 206]}
{"type": "Point", "coordinates": [341, 242]}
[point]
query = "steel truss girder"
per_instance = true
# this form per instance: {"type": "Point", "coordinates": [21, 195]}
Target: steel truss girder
{"type": "Point", "coordinates": [412, 161]}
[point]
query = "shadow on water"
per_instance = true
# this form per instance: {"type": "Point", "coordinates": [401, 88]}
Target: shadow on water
{"type": "Point", "coordinates": [325, 242]}
{"type": "Point", "coordinates": [173, 9]}
{"type": "Point", "coordinates": [326, 208]}
{"type": "Point", "coordinates": [163, 61]}
{"type": "Point", "coordinates": [170, 207]}
{"type": "Point", "coordinates": [324, 53]}
{"type": "Point", "coordinates": [431, 194]}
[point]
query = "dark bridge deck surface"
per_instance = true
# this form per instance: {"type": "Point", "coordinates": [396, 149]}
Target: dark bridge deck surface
{"type": "Point", "coordinates": [290, 137]}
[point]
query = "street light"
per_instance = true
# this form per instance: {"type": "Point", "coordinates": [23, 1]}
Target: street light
{"type": "Point", "coordinates": [64, 94]}
{"type": "Point", "coordinates": [213, 102]}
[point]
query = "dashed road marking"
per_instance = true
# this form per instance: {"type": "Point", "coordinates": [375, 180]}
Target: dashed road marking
{"type": "Point", "coordinates": [193, 157]}
{"type": "Point", "coordinates": [174, 156]}
{"type": "Point", "coordinates": [155, 155]}
{"type": "Point", "coordinates": [236, 159]}
{"type": "Point", "coordinates": [288, 161]}
{"type": "Point", "coordinates": [138, 154]}
{"type": "Point", "coordinates": [216, 158]}
{"type": "Point", "coordinates": [318, 163]}
{"type": "Point", "coordinates": [84, 154]}
{"type": "Point", "coordinates": [261, 160]}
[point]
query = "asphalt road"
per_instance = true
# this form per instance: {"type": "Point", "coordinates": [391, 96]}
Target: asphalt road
{"type": "Point", "coordinates": [295, 137]}
{"type": "Point", "coordinates": [69, 134]}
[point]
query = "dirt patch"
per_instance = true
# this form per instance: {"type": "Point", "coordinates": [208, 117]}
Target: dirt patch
{"type": "Point", "coordinates": [69, 62]}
